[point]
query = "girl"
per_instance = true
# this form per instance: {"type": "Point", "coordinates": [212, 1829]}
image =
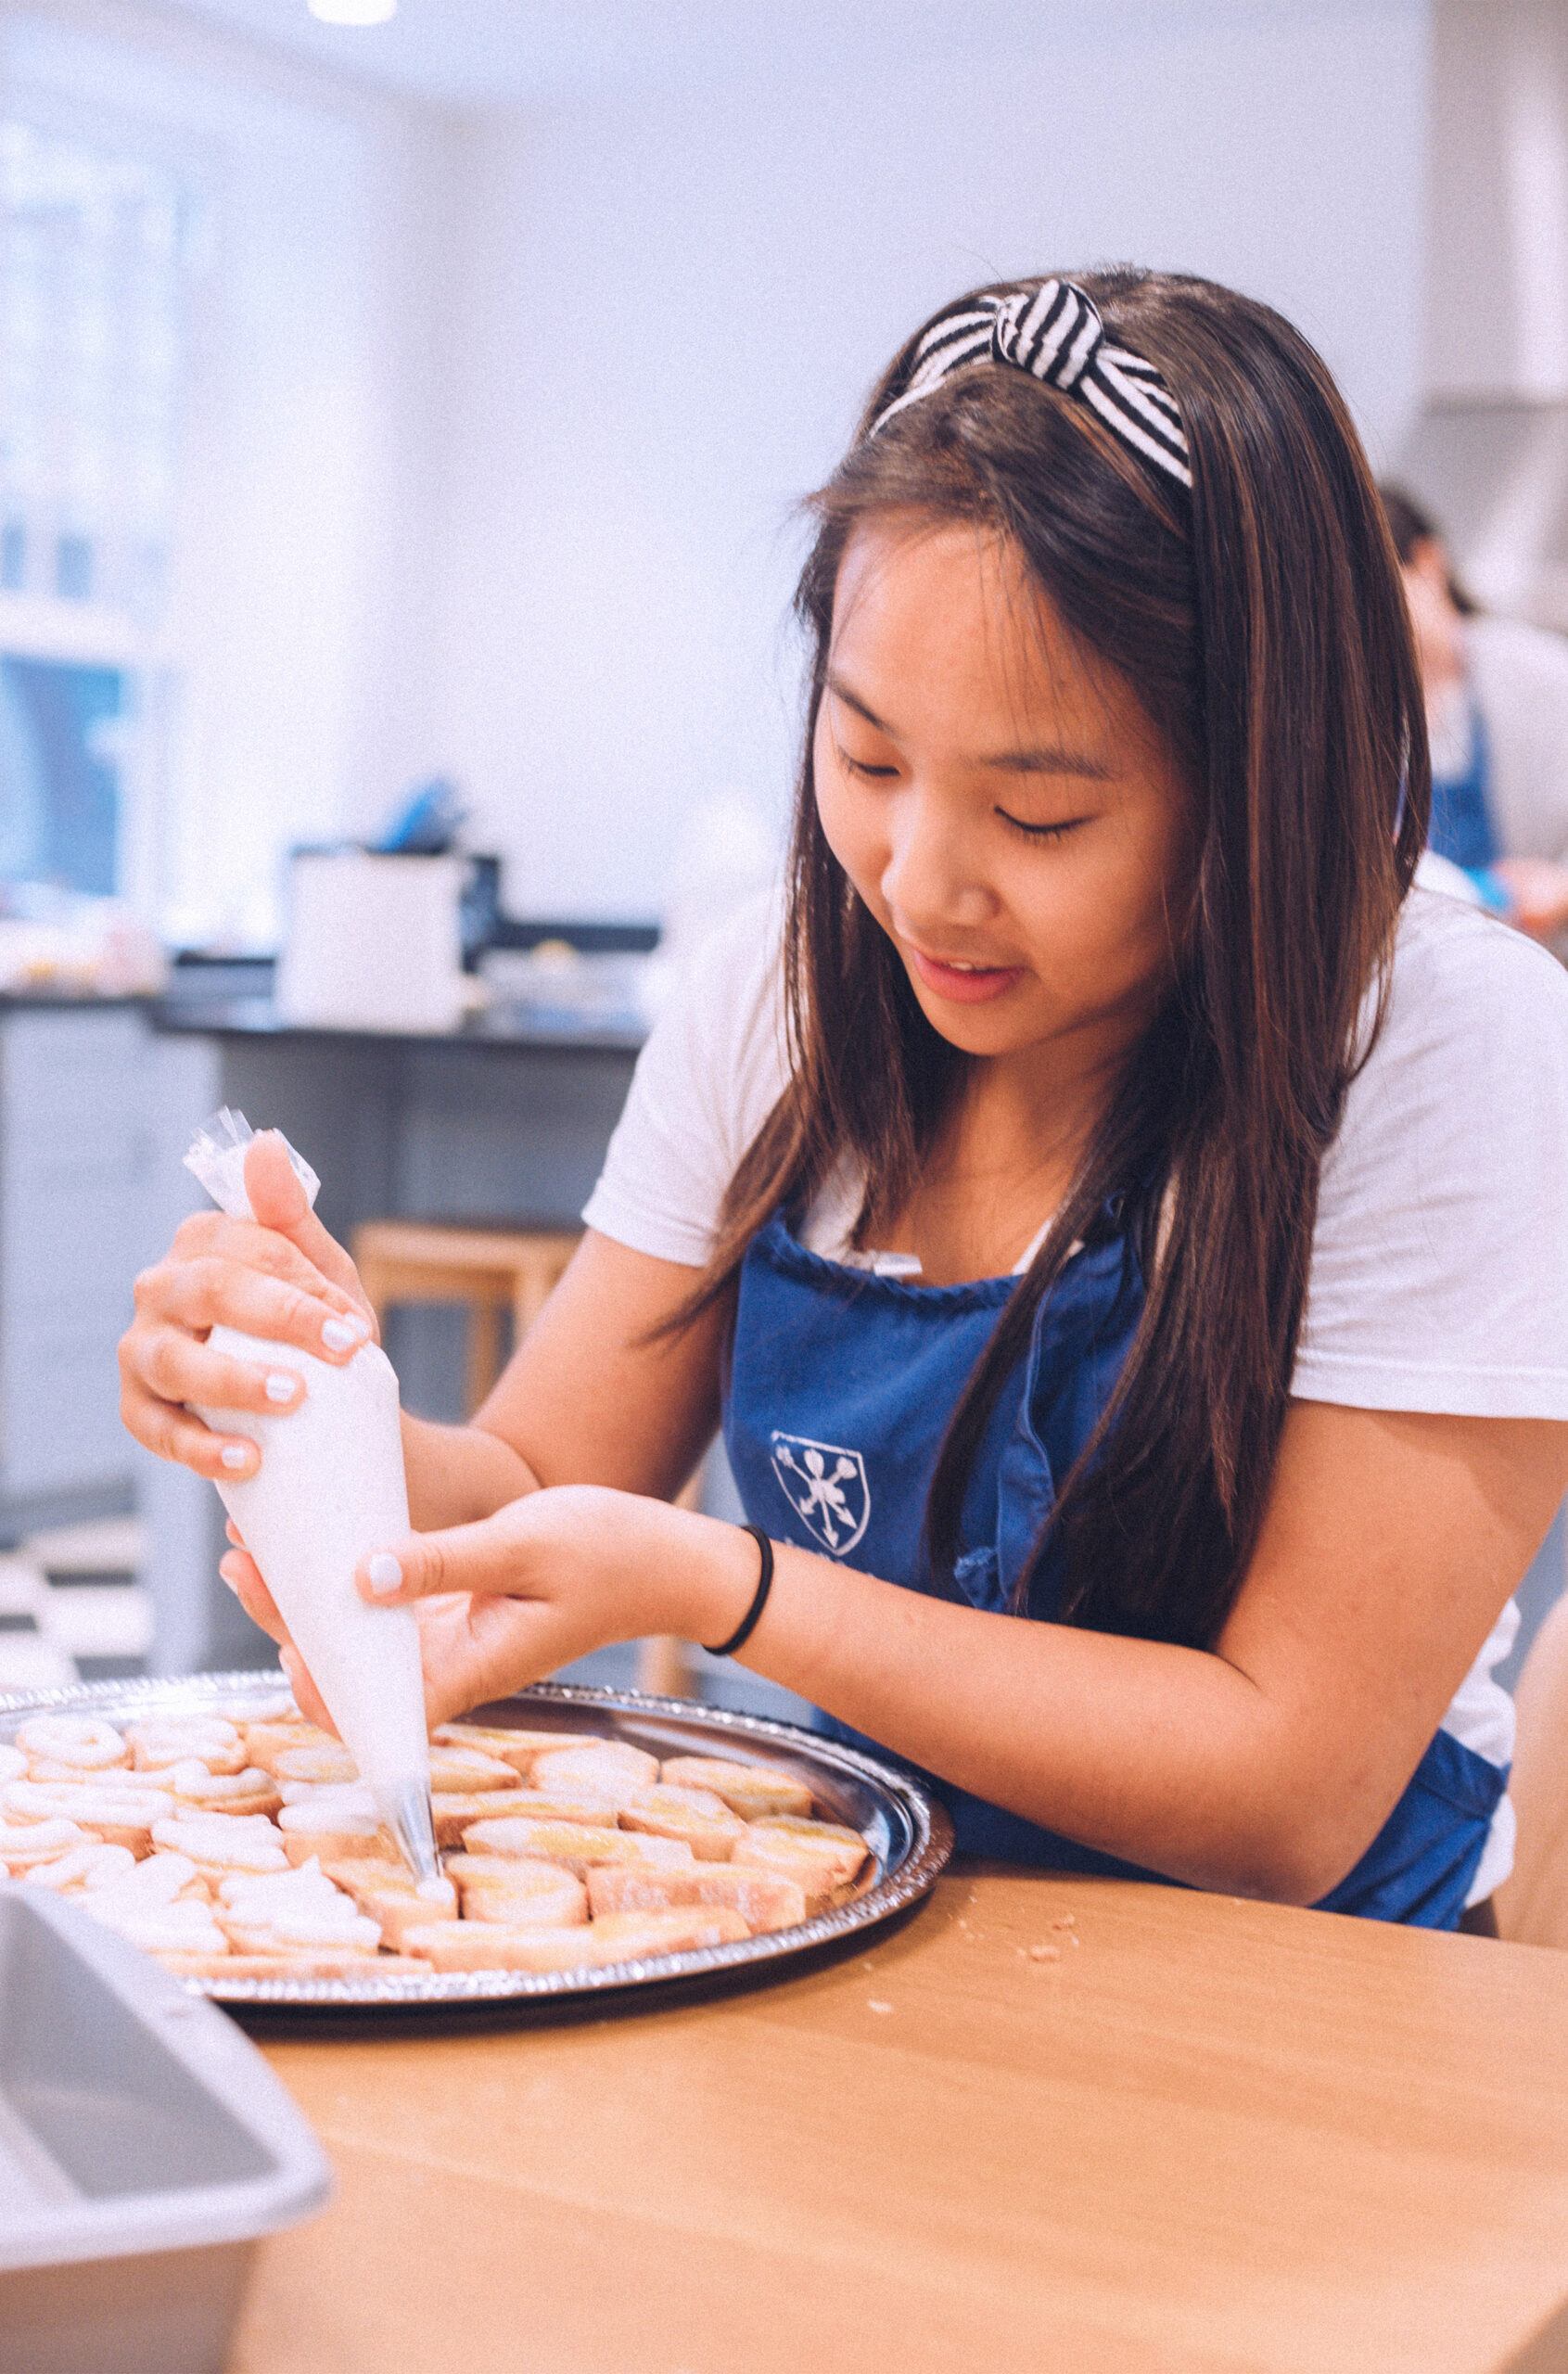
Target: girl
{"type": "Point", "coordinates": [1123, 1236]}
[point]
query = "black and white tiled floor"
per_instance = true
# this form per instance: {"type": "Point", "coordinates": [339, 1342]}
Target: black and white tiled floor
{"type": "Point", "coordinates": [72, 1607]}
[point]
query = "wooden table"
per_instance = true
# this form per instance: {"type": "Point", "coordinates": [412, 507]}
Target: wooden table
{"type": "Point", "coordinates": [1065, 2126]}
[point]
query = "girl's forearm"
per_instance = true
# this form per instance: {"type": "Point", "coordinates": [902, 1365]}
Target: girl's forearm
{"type": "Point", "coordinates": [457, 1475]}
{"type": "Point", "coordinates": [1163, 1756]}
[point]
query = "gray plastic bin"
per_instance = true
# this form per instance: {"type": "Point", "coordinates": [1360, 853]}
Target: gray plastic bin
{"type": "Point", "coordinates": [145, 2148]}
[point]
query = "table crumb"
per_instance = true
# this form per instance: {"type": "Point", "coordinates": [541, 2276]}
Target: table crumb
{"type": "Point", "coordinates": [874, 2006]}
{"type": "Point", "coordinates": [1066, 1921]}
{"type": "Point", "coordinates": [1045, 1953]}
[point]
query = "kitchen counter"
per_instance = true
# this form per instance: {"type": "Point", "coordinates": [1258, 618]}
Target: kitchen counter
{"type": "Point", "coordinates": [501, 1025]}
{"type": "Point", "coordinates": [1050, 2125]}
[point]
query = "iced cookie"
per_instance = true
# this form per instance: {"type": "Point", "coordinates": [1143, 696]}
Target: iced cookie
{"type": "Point", "coordinates": [454, 1814]}
{"type": "Point", "coordinates": [300, 1911]}
{"type": "Point", "coordinates": [821, 1856]}
{"type": "Point", "coordinates": [187, 1926]}
{"type": "Point", "coordinates": [171, 1740]}
{"type": "Point", "coordinates": [518, 1749]}
{"type": "Point", "coordinates": [324, 1764]}
{"type": "Point", "coordinates": [221, 1844]}
{"type": "Point", "coordinates": [702, 1820]}
{"type": "Point", "coordinates": [763, 1901]}
{"type": "Point", "coordinates": [460, 1771]}
{"type": "Point", "coordinates": [333, 1823]}
{"type": "Point", "coordinates": [753, 1790]}
{"type": "Point", "coordinates": [105, 1805]}
{"type": "Point", "coordinates": [609, 1767]}
{"type": "Point", "coordinates": [473, 1945]}
{"type": "Point", "coordinates": [83, 1867]}
{"type": "Point", "coordinates": [576, 1846]}
{"type": "Point", "coordinates": [265, 1741]}
{"type": "Point", "coordinates": [387, 1893]}
{"type": "Point", "coordinates": [27, 1844]}
{"type": "Point", "coordinates": [81, 1743]}
{"type": "Point", "coordinates": [510, 1889]}
{"type": "Point", "coordinates": [194, 1783]}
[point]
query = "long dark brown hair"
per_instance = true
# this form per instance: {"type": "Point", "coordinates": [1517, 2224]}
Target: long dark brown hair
{"type": "Point", "coordinates": [1261, 624]}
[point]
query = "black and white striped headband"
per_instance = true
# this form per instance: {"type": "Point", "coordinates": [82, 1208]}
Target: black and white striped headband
{"type": "Point", "coordinates": [1055, 332]}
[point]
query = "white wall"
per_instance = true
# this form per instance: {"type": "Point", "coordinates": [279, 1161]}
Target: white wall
{"type": "Point", "coordinates": [670, 306]}
{"type": "Point", "coordinates": [503, 414]}
{"type": "Point", "coordinates": [1498, 293]}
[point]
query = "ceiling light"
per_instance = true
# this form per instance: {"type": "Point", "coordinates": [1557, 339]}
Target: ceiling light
{"type": "Point", "coordinates": [353, 12]}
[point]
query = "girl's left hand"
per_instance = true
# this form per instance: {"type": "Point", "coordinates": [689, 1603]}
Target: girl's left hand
{"type": "Point", "coordinates": [547, 1580]}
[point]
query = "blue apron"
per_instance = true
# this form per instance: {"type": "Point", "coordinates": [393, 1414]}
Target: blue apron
{"type": "Point", "coordinates": [1462, 820]}
{"type": "Point", "coordinates": [838, 1392]}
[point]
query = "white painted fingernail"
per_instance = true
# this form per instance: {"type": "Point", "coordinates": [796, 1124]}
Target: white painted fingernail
{"type": "Point", "coordinates": [234, 1455]}
{"type": "Point", "coordinates": [385, 1574]}
{"type": "Point", "coordinates": [228, 1582]}
{"type": "Point", "coordinates": [338, 1336]}
{"type": "Point", "coordinates": [360, 1325]}
{"type": "Point", "coordinates": [280, 1386]}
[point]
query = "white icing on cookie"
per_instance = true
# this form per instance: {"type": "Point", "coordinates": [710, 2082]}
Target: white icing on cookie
{"type": "Point", "coordinates": [39, 1841]}
{"type": "Point", "coordinates": [340, 1813]}
{"type": "Point", "coordinates": [86, 1742]}
{"type": "Point", "coordinates": [232, 1841]}
{"type": "Point", "coordinates": [194, 1783]}
{"type": "Point", "coordinates": [160, 1745]}
{"type": "Point", "coordinates": [185, 1926]}
{"type": "Point", "coordinates": [108, 1798]}
{"type": "Point", "coordinates": [83, 1867]}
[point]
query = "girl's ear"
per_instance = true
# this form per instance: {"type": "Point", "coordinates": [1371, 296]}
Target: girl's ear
{"type": "Point", "coordinates": [1429, 561]}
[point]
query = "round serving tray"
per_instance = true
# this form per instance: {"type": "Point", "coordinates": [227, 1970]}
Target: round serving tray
{"type": "Point", "coordinates": [909, 1833]}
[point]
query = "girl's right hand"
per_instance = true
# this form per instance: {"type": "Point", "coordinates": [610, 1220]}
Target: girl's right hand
{"type": "Point", "coordinates": [279, 1276]}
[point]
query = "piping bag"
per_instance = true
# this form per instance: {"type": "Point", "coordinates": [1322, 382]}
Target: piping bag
{"type": "Point", "coordinates": [329, 1487]}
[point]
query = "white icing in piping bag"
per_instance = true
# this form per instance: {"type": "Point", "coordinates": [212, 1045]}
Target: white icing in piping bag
{"type": "Point", "coordinates": [330, 1488]}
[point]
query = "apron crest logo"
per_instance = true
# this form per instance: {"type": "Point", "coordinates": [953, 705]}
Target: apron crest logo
{"type": "Point", "coordinates": [826, 1486]}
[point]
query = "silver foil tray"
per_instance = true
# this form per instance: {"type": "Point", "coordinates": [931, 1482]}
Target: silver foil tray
{"type": "Point", "coordinates": [910, 1835]}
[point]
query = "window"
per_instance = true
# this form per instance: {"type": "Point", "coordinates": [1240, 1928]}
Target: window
{"type": "Point", "coordinates": [95, 251]}
{"type": "Point", "coordinates": [218, 460]}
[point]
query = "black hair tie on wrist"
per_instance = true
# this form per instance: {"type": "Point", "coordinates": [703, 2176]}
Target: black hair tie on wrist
{"type": "Point", "coordinates": [753, 1615]}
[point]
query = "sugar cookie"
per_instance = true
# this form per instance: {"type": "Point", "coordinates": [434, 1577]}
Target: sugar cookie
{"type": "Point", "coordinates": [764, 1901]}
{"type": "Point", "coordinates": [222, 1844]}
{"type": "Point", "coordinates": [702, 1820]}
{"type": "Point", "coordinates": [609, 1766]}
{"type": "Point", "coordinates": [85, 1743]}
{"type": "Point", "coordinates": [753, 1790]}
{"type": "Point", "coordinates": [82, 1867]}
{"type": "Point", "coordinates": [155, 1745]}
{"type": "Point", "coordinates": [576, 1846]}
{"type": "Point", "coordinates": [517, 1748]}
{"type": "Point", "coordinates": [248, 1791]}
{"type": "Point", "coordinates": [40, 1841]}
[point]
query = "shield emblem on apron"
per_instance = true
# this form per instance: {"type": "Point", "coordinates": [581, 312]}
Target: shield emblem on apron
{"type": "Point", "coordinates": [825, 1484]}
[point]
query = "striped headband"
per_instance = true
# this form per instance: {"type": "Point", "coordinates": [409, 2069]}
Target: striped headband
{"type": "Point", "coordinates": [1055, 333]}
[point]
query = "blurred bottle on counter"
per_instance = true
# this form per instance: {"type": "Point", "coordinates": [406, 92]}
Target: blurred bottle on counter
{"type": "Point", "coordinates": [386, 935]}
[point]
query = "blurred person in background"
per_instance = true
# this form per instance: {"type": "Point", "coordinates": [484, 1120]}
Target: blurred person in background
{"type": "Point", "coordinates": [1496, 719]}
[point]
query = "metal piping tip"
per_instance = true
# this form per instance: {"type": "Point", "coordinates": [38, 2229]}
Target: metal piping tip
{"type": "Point", "coordinates": [404, 1806]}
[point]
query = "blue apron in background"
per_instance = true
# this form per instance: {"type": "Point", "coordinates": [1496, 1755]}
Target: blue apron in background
{"type": "Point", "coordinates": [1461, 818]}
{"type": "Point", "coordinates": [839, 1389]}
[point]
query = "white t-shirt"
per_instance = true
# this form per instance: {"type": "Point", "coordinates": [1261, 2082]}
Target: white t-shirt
{"type": "Point", "coordinates": [1439, 1277]}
